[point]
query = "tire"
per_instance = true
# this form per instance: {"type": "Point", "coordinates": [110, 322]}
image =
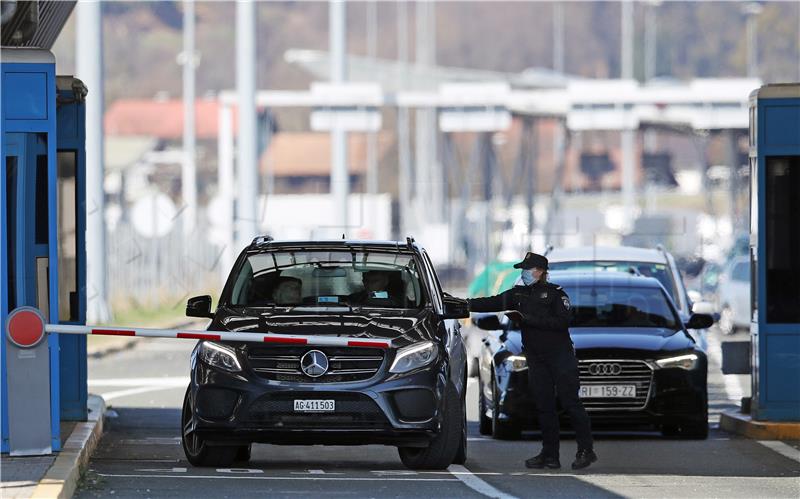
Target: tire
{"type": "Point", "coordinates": [695, 430]}
{"type": "Point", "coordinates": [502, 430]}
{"type": "Point", "coordinates": [243, 453]}
{"type": "Point", "coordinates": [444, 447]}
{"type": "Point", "coordinates": [197, 452]}
{"type": "Point", "coordinates": [484, 421]}
{"type": "Point", "coordinates": [726, 324]}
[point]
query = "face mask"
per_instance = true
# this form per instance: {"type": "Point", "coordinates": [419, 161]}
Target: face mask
{"type": "Point", "coordinates": [527, 277]}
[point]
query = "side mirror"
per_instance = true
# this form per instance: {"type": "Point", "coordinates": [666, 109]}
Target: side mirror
{"type": "Point", "coordinates": [703, 307]}
{"type": "Point", "coordinates": [455, 308]}
{"type": "Point", "coordinates": [199, 306]}
{"type": "Point", "coordinates": [489, 323]}
{"type": "Point", "coordinates": [700, 321]}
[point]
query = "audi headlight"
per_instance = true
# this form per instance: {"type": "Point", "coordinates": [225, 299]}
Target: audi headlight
{"type": "Point", "coordinates": [682, 361]}
{"type": "Point", "coordinates": [516, 362]}
{"type": "Point", "coordinates": [219, 356]}
{"type": "Point", "coordinates": [413, 357]}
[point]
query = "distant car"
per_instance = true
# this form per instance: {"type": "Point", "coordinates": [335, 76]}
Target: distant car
{"type": "Point", "coordinates": [733, 294]}
{"type": "Point", "coordinates": [407, 392]}
{"type": "Point", "coordinates": [639, 367]}
{"type": "Point", "coordinates": [648, 262]}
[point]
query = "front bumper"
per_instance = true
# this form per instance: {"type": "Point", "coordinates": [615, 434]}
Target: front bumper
{"type": "Point", "coordinates": [230, 408]}
{"type": "Point", "coordinates": [674, 395]}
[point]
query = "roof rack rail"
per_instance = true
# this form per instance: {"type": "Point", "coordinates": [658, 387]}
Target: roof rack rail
{"type": "Point", "coordinates": [660, 247]}
{"type": "Point", "coordinates": [259, 240]}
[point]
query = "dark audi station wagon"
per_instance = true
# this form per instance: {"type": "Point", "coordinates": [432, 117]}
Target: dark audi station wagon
{"type": "Point", "coordinates": [395, 376]}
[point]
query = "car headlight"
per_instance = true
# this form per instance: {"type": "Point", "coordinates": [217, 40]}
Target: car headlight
{"type": "Point", "coordinates": [414, 356]}
{"type": "Point", "coordinates": [682, 361]}
{"type": "Point", "coordinates": [219, 356]}
{"type": "Point", "coordinates": [516, 362]}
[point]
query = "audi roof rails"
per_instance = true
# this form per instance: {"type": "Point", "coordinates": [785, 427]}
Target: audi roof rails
{"type": "Point", "coordinates": [259, 240]}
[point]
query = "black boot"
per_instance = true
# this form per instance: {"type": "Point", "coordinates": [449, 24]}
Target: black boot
{"type": "Point", "coordinates": [542, 461]}
{"type": "Point", "coordinates": [583, 459]}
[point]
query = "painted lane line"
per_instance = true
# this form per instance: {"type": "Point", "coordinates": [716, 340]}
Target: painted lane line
{"type": "Point", "coordinates": [473, 482]}
{"type": "Point", "coordinates": [298, 478]}
{"type": "Point", "coordinates": [782, 448]}
{"type": "Point", "coordinates": [133, 382]}
{"type": "Point", "coordinates": [107, 396]}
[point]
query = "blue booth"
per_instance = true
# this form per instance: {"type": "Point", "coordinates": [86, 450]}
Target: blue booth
{"type": "Point", "coordinates": [42, 222]}
{"type": "Point", "coordinates": [775, 252]}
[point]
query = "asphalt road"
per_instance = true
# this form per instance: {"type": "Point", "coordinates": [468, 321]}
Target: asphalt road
{"type": "Point", "coordinates": [140, 454]}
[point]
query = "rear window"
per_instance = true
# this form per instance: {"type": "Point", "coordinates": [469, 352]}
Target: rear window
{"type": "Point", "coordinates": [620, 307]}
{"type": "Point", "coordinates": [328, 279]}
{"type": "Point", "coordinates": [658, 270]}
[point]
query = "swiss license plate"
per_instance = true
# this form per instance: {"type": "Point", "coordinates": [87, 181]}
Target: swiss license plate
{"type": "Point", "coordinates": [314, 405]}
{"type": "Point", "coordinates": [607, 391]}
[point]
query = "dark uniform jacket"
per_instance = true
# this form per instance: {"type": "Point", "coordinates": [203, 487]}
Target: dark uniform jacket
{"type": "Point", "coordinates": [545, 314]}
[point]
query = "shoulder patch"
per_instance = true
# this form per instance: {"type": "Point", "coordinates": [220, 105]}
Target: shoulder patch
{"type": "Point", "coordinates": [566, 301]}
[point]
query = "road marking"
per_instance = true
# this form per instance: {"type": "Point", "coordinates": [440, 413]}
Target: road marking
{"type": "Point", "coordinates": [240, 471]}
{"type": "Point", "coordinates": [164, 381]}
{"type": "Point", "coordinates": [299, 478]}
{"type": "Point", "coordinates": [165, 470]}
{"type": "Point", "coordinates": [133, 391]}
{"type": "Point", "coordinates": [470, 480]}
{"type": "Point", "coordinates": [782, 448]}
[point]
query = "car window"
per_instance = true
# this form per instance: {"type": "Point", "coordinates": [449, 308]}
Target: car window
{"type": "Point", "coordinates": [658, 270]}
{"type": "Point", "coordinates": [741, 272]}
{"type": "Point", "coordinates": [328, 278]}
{"type": "Point", "coordinates": [618, 306]}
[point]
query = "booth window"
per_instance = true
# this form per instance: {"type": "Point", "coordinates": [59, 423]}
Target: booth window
{"type": "Point", "coordinates": [41, 225]}
{"type": "Point", "coordinates": [783, 239]}
{"type": "Point", "coordinates": [11, 229]}
{"type": "Point", "coordinates": [67, 236]}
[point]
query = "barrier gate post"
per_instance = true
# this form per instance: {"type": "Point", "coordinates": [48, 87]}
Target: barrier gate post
{"type": "Point", "coordinates": [28, 363]}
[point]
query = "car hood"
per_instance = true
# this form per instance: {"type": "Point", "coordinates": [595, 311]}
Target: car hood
{"type": "Point", "coordinates": [649, 339]}
{"type": "Point", "coordinates": [401, 326]}
{"type": "Point", "coordinates": [596, 338]}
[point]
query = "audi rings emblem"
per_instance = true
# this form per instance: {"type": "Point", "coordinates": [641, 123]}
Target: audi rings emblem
{"type": "Point", "coordinates": [605, 369]}
{"type": "Point", "coordinates": [314, 363]}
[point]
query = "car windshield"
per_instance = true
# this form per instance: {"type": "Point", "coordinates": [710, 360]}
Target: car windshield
{"type": "Point", "coordinates": [657, 270]}
{"type": "Point", "coordinates": [326, 278]}
{"type": "Point", "coordinates": [617, 306]}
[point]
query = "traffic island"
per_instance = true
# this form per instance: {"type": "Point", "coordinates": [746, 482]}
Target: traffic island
{"type": "Point", "coordinates": [743, 424]}
{"type": "Point", "coordinates": [62, 478]}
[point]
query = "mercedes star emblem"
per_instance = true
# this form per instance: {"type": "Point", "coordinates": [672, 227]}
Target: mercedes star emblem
{"type": "Point", "coordinates": [314, 363]}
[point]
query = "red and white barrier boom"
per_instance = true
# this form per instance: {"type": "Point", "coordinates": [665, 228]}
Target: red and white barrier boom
{"type": "Point", "coordinates": [27, 324]}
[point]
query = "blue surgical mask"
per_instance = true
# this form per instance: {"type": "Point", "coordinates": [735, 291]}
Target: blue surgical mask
{"type": "Point", "coordinates": [527, 277]}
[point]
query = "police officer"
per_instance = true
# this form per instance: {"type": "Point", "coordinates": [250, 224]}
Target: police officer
{"type": "Point", "coordinates": [542, 309]}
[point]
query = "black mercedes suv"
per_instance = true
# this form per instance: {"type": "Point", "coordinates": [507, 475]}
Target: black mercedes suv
{"type": "Point", "coordinates": [364, 348]}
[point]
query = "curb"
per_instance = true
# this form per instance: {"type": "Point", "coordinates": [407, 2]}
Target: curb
{"type": "Point", "coordinates": [62, 478]}
{"type": "Point", "coordinates": [743, 424]}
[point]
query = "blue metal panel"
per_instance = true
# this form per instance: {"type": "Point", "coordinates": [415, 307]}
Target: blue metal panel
{"type": "Point", "coordinates": [28, 96]}
{"type": "Point", "coordinates": [74, 393]}
{"type": "Point", "coordinates": [40, 120]}
{"type": "Point", "coordinates": [776, 347]}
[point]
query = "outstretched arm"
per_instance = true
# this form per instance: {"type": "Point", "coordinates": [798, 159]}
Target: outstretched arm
{"type": "Point", "coordinates": [496, 303]}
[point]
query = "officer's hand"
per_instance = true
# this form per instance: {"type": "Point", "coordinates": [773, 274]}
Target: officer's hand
{"type": "Point", "coordinates": [514, 316]}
